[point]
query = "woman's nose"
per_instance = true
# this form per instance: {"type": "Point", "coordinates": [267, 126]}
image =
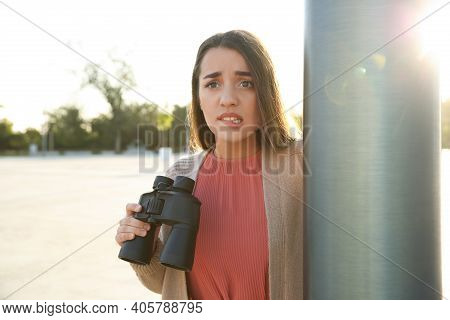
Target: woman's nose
{"type": "Point", "coordinates": [228, 97]}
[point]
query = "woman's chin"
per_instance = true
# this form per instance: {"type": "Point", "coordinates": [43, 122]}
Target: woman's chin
{"type": "Point", "coordinates": [235, 137]}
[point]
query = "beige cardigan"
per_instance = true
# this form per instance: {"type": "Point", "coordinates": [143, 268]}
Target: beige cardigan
{"type": "Point", "coordinates": [282, 174]}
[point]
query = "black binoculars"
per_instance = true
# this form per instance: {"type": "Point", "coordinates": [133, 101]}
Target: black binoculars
{"type": "Point", "coordinates": [170, 203]}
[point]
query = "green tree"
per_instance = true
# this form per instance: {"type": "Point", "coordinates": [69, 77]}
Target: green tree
{"type": "Point", "coordinates": [69, 130]}
{"type": "Point", "coordinates": [113, 92]}
{"type": "Point", "coordinates": [17, 141]}
{"type": "Point", "coordinates": [10, 140]}
{"type": "Point", "coordinates": [164, 121]}
{"type": "Point", "coordinates": [139, 119]}
{"type": "Point", "coordinates": [101, 136]}
{"type": "Point", "coordinates": [179, 129]}
{"type": "Point", "coordinates": [6, 132]}
{"type": "Point", "coordinates": [32, 136]}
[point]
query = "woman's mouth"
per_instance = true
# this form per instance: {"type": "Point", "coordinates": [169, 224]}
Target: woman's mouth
{"type": "Point", "coordinates": [232, 120]}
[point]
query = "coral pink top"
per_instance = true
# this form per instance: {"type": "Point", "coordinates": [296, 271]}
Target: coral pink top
{"type": "Point", "coordinates": [231, 254]}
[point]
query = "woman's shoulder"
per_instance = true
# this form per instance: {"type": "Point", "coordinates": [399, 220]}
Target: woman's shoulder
{"type": "Point", "coordinates": [186, 165]}
{"type": "Point", "coordinates": [286, 161]}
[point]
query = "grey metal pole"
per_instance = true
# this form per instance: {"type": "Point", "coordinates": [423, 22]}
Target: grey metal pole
{"type": "Point", "coordinates": [372, 144]}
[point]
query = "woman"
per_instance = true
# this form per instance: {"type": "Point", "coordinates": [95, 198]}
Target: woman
{"type": "Point", "coordinates": [248, 178]}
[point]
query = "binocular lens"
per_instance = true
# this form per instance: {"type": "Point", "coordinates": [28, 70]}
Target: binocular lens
{"type": "Point", "coordinates": [179, 249]}
{"type": "Point", "coordinates": [139, 249]}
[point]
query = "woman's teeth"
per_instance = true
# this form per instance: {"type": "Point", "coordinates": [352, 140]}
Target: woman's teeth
{"type": "Point", "coordinates": [232, 119]}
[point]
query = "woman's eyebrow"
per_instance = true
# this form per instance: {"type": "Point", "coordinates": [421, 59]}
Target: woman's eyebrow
{"type": "Point", "coordinates": [239, 73]}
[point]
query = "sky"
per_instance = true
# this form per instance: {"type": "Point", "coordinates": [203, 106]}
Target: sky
{"type": "Point", "coordinates": [44, 46]}
{"type": "Point", "coordinates": [159, 39]}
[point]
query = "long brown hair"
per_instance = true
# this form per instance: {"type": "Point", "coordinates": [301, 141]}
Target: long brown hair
{"type": "Point", "coordinates": [274, 129]}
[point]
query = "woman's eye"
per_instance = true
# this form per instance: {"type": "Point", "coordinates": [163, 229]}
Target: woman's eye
{"type": "Point", "coordinates": [245, 84]}
{"type": "Point", "coordinates": [211, 83]}
{"type": "Point", "coordinates": [249, 84]}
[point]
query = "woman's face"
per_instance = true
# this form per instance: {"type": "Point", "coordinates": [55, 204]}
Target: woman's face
{"type": "Point", "coordinates": [228, 96]}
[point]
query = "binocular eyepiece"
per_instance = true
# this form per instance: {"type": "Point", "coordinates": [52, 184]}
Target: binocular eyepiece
{"type": "Point", "coordinates": [171, 203]}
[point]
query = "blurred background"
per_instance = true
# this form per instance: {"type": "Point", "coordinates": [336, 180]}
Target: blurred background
{"type": "Point", "coordinates": [93, 105]}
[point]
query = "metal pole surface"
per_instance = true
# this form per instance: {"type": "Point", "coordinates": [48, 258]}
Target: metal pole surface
{"type": "Point", "coordinates": [372, 147]}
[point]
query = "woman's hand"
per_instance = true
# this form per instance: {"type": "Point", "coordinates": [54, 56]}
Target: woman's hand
{"type": "Point", "coordinates": [130, 227]}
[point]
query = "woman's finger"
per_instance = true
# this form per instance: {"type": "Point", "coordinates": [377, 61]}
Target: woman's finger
{"type": "Point", "coordinates": [134, 230]}
{"type": "Point", "coordinates": [132, 208]}
{"type": "Point", "coordinates": [122, 237]}
{"type": "Point", "coordinates": [129, 221]}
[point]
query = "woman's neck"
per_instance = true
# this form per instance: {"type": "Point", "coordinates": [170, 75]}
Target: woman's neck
{"type": "Point", "coordinates": [235, 150]}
